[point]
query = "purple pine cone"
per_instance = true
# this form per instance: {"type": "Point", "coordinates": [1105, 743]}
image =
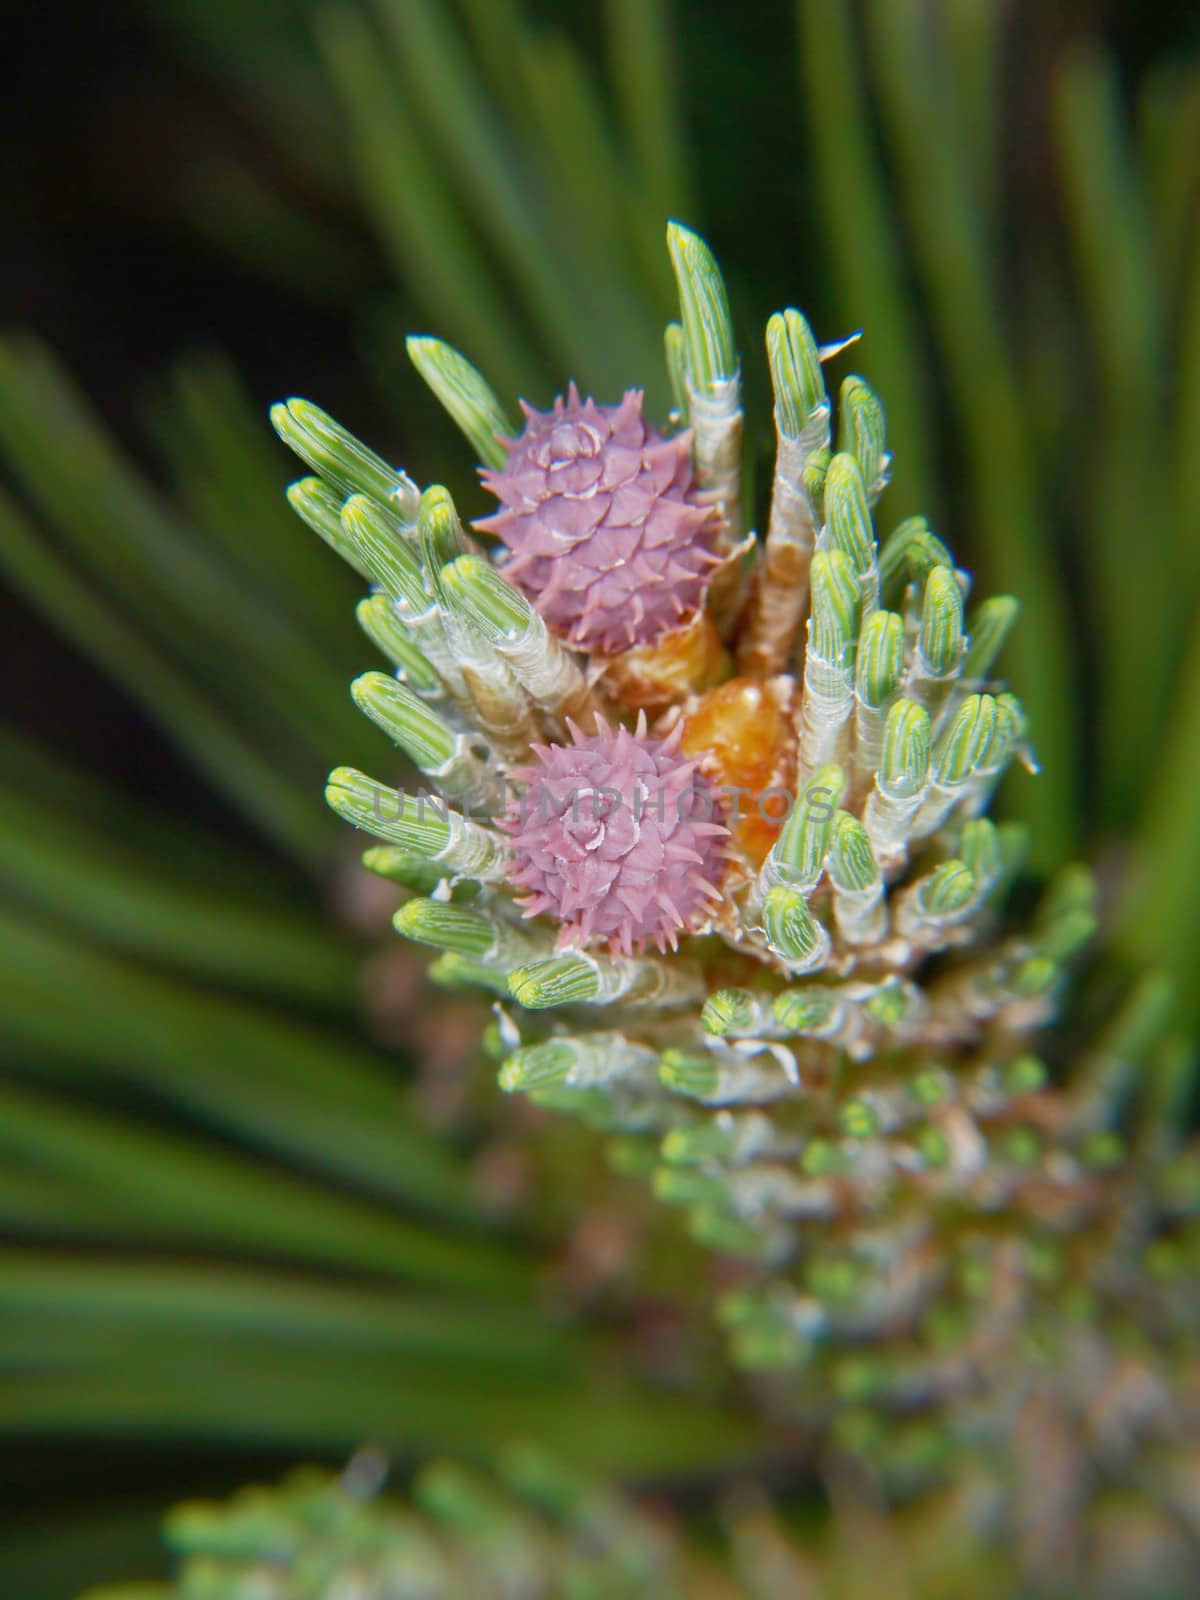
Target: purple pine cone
{"type": "Point", "coordinates": [610, 538]}
{"type": "Point", "coordinates": [617, 837]}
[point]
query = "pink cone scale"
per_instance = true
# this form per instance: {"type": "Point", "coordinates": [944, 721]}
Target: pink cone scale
{"type": "Point", "coordinates": [609, 537]}
{"type": "Point", "coordinates": [618, 838]}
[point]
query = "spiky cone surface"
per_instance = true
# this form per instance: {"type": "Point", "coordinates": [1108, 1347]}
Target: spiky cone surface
{"type": "Point", "coordinates": [952, 1243]}
{"type": "Point", "coordinates": [617, 838]}
{"type": "Point", "coordinates": [608, 534]}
